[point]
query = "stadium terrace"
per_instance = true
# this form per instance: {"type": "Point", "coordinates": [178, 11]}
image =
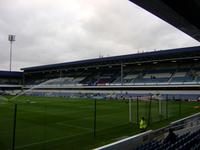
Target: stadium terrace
{"type": "Point", "coordinates": [166, 72]}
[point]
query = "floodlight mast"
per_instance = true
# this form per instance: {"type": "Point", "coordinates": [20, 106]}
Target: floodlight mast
{"type": "Point", "coordinates": [11, 38]}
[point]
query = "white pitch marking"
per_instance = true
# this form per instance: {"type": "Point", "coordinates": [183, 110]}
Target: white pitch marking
{"type": "Point", "coordinates": [69, 125]}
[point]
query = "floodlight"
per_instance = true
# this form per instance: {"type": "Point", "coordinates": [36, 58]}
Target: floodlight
{"type": "Point", "coordinates": [11, 38]}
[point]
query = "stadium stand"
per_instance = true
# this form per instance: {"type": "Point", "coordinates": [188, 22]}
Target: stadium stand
{"type": "Point", "coordinates": [138, 78]}
{"type": "Point", "coordinates": [168, 72]}
{"type": "Point", "coordinates": [185, 141]}
{"type": "Point", "coordinates": [173, 71]}
{"type": "Point", "coordinates": [10, 78]}
{"type": "Point", "coordinates": [10, 82]}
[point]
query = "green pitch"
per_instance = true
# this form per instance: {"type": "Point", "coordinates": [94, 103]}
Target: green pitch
{"type": "Point", "coordinates": [62, 123]}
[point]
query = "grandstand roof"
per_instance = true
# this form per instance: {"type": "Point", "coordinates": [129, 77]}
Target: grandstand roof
{"type": "Point", "coordinates": [183, 14]}
{"type": "Point", "coordinates": [180, 53]}
{"type": "Point", "coordinates": [12, 74]}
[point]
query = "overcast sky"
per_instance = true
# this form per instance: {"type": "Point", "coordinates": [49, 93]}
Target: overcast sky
{"type": "Point", "coordinates": [54, 31]}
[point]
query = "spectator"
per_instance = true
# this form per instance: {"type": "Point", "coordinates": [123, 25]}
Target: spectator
{"type": "Point", "coordinates": [171, 137]}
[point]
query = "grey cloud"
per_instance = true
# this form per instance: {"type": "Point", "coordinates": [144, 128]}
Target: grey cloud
{"type": "Point", "coordinates": [51, 31]}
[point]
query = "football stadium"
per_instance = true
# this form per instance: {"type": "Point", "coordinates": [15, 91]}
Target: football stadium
{"type": "Point", "coordinates": [100, 103]}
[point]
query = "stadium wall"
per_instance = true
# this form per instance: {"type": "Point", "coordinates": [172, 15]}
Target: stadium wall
{"type": "Point", "coordinates": [179, 94]}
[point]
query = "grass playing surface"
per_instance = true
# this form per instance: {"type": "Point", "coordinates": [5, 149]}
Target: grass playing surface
{"type": "Point", "coordinates": [63, 123]}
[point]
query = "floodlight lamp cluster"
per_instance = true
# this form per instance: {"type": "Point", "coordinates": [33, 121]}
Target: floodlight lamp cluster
{"type": "Point", "coordinates": [11, 38]}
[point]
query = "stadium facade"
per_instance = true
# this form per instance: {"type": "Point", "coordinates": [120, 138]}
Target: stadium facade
{"type": "Point", "coordinates": [174, 73]}
{"type": "Point", "coordinates": [10, 82]}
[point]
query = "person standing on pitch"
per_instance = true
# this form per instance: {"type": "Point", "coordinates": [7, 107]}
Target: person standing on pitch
{"type": "Point", "coordinates": [143, 125]}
